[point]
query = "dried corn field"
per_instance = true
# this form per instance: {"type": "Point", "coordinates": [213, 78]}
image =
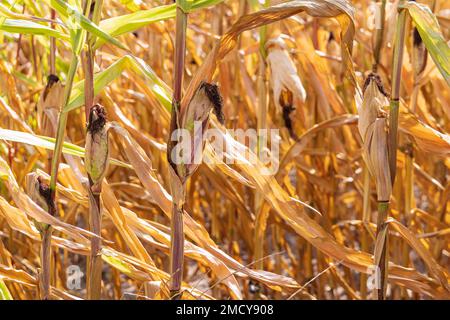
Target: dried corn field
{"type": "Point", "coordinates": [353, 202]}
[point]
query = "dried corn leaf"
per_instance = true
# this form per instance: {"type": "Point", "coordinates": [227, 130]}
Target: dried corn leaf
{"type": "Point", "coordinates": [142, 166]}
{"type": "Point", "coordinates": [427, 138]}
{"type": "Point", "coordinates": [33, 210]}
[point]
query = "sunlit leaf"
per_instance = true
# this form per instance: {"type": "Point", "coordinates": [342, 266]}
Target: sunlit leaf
{"type": "Point", "coordinates": [105, 77]}
{"type": "Point", "coordinates": [78, 19]}
{"type": "Point", "coordinates": [29, 27]}
{"type": "Point", "coordinates": [431, 34]}
{"type": "Point", "coordinates": [4, 292]}
{"type": "Point", "coordinates": [131, 22]}
{"type": "Point", "coordinates": [47, 143]}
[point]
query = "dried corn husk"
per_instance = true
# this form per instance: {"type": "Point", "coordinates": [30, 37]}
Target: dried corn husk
{"type": "Point", "coordinates": [97, 147]}
{"type": "Point", "coordinates": [285, 81]}
{"type": "Point", "coordinates": [39, 192]}
{"type": "Point", "coordinates": [372, 126]}
{"type": "Point", "coordinates": [49, 105]}
{"type": "Point", "coordinates": [372, 105]}
{"type": "Point", "coordinates": [378, 159]}
{"type": "Point", "coordinates": [194, 120]}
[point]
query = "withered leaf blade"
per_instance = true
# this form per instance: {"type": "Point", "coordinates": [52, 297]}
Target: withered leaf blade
{"type": "Point", "coordinates": [427, 138]}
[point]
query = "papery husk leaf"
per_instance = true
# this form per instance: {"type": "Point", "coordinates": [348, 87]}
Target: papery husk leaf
{"type": "Point", "coordinates": [284, 75]}
{"type": "Point", "coordinates": [194, 119]}
{"type": "Point", "coordinates": [372, 126]}
{"type": "Point", "coordinates": [378, 160]}
{"type": "Point", "coordinates": [49, 104]}
{"type": "Point", "coordinates": [371, 108]}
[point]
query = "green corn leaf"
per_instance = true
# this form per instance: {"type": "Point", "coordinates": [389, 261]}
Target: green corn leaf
{"type": "Point", "coordinates": [126, 63]}
{"type": "Point", "coordinates": [185, 5]}
{"type": "Point", "coordinates": [430, 32]}
{"type": "Point", "coordinates": [123, 266]}
{"type": "Point", "coordinates": [79, 20]}
{"type": "Point", "coordinates": [29, 27]}
{"type": "Point", "coordinates": [8, 13]}
{"type": "Point", "coordinates": [4, 292]}
{"type": "Point", "coordinates": [47, 143]}
{"type": "Point", "coordinates": [130, 5]}
{"type": "Point", "coordinates": [131, 22]}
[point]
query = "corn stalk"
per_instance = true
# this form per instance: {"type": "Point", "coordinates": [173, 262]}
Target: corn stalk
{"type": "Point", "coordinates": [373, 128]}
{"type": "Point", "coordinates": [62, 121]}
{"type": "Point", "coordinates": [366, 221]}
{"type": "Point", "coordinates": [379, 38]}
{"type": "Point", "coordinates": [419, 62]}
{"type": "Point", "coordinates": [392, 143]}
{"type": "Point", "coordinates": [382, 208]}
{"type": "Point", "coordinates": [395, 89]}
{"type": "Point", "coordinates": [178, 191]}
{"type": "Point", "coordinates": [92, 11]}
{"type": "Point", "coordinates": [261, 124]}
{"type": "Point", "coordinates": [46, 261]}
{"type": "Point", "coordinates": [46, 233]}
